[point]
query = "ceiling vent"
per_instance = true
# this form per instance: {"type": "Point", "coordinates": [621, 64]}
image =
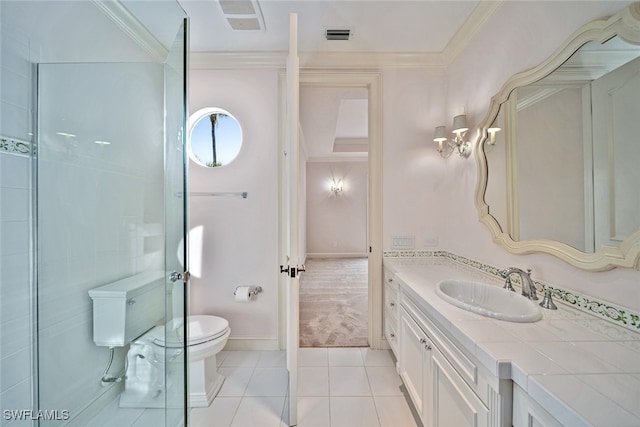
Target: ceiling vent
{"type": "Point", "coordinates": [338, 34]}
{"type": "Point", "coordinates": [242, 15]}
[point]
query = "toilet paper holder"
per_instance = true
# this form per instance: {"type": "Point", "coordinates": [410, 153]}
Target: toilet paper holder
{"type": "Point", "coordinates": [253, 291]}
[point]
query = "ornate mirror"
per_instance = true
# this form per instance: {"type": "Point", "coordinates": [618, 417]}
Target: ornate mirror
{"type": "Point", "coordinates": [559, 151]}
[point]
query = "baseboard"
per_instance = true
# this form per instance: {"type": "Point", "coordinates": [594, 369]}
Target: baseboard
{"type": "Point", "coordinates": [384, 344]}
{"type": "Point", "coordinates": [251, 343]}
{"type": "Point", "coordinates": [337, 255]}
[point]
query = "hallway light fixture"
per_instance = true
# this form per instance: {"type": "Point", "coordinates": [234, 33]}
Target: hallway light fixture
{"type": "Point", "coordinates": [447, 146]}
{"type": "Point", "coordinates": [336, 187]}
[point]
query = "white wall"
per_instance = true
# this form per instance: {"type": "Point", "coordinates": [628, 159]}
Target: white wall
{"type": "Point", "coordinates": [337, 225]}
{"type": "Point", "coordinates": [240, 245]}
{"type": "Point", "coordinates": [415, 177]}
{"type": "Point", "coordinates": [240, 236]}
{"type": "Point", "coordinates": [518, 37]}
{"type": "Point", "coordinates": [424, 195]}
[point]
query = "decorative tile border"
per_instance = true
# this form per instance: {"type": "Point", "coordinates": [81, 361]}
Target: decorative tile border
{"type": "Point", "coordinates": [620, 316]}
{"type": "Point", "coordinates": [15, 146]}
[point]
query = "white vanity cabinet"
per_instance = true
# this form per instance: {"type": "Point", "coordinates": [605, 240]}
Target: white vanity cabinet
{"type": "Point", "coordinates": [414, 360]}
{"type": "Point", "coordinates": [447, 387]}
{"type": "Point", "coordinates": [529, 413]}
{"type": "Point", "coordinates": [391, 306]}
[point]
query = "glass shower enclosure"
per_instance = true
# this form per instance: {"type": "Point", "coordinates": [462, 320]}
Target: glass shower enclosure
{"type": "Point", "coordinates": [93, 178]}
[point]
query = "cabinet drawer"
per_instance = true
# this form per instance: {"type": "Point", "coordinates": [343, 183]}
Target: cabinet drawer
{"type": "Point", "coordinates": [391, 333]}
{"type": "Point", "coordinates": [390, 299]}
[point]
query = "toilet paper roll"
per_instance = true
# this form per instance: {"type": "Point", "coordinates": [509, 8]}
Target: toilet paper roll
{"type": "Point", "coordinates": [242, 293]}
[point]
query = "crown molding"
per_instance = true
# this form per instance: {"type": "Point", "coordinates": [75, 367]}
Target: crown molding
{"type": "Point", "coordinates": [370, 60]}
{"type": "Point", "coordinates": [235, 60]}
{"type": "Point", "coordinates": [474, 23]}
{"type": "Point", "coordinates": [315, 60]}
{"type": "Point", "coordinates": [354, 60]}
{"type": "Point", "coordinates": [340, 158]}
{"type": "Point", "coordinates": [132, 27]}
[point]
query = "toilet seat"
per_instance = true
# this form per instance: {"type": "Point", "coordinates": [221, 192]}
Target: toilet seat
{"type": "Point", "coordinates": [202, 329]}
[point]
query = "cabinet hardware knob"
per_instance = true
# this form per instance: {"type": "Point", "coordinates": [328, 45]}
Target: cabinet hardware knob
{"type": "Point", "coordinates": [423, 341]}
{"type": "Point", "coordinates": [392, 304]}
{"type": "Point", "coordinates": [427, 347]}
{"type": "Point", "coordinates": [392, 335]}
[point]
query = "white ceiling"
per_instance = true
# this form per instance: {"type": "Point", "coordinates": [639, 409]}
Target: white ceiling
{"type": "Point", "coordinates": [378, 25]}
{"type": "Point", "coordinates": [333, 122]}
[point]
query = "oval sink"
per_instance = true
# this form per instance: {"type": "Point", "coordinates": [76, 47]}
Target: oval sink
{"type": "Point", "coordinates": [488, 300]}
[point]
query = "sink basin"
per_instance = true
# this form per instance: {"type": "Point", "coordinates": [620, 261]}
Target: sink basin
{"type": "Point", "coordinates": [488, 300]}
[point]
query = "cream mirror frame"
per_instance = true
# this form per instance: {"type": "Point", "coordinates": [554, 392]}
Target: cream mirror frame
{"type": "Point", "coordinates": [593, 257]}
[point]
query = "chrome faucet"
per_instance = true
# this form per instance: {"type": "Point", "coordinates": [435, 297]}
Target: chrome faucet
{"type": "Point", "coordinates": [528, 287]}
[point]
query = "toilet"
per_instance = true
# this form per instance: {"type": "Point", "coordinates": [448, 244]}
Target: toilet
{"type": "Point", "coordinates": [130, 311]}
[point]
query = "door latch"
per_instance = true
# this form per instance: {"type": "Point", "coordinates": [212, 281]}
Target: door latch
{"type": "Point", "coordinates": [292, 272]}
{"type": "Point", "coordinates": [295, 271]}
{"type": "Point", "coordinates": [175, 276]}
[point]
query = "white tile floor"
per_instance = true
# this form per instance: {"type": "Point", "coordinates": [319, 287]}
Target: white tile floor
{"type": "Point", "coordinates": [338, 387]}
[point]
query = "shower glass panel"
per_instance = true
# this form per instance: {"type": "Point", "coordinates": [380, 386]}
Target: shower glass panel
{"type": "Point", "coordinates": [92, 163]}
{"type": "Point", "coordinates": [176, 226]}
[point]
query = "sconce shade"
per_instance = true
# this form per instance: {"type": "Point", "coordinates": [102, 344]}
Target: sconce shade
{"type": "Point", "coordinates": [492, 134]}
{"type": "Point", "coordinates": [460, 124]}
{"type": "Point", "coordinates": [439, 134]}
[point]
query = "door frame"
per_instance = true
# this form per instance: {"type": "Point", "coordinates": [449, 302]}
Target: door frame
{"type": "Point", "coordinates": [372, 82]}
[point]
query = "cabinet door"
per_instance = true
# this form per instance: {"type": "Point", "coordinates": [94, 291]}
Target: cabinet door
{"type": "Point", "coordinates": [412, 358]}
{"type": "Point", "coordinates": [453, 403]}
{"type": "Point", "coordinates": [528, 413]}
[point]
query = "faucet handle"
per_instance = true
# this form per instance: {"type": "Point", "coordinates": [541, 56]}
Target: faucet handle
{"type": "Point", "coordinates": [547, 302]}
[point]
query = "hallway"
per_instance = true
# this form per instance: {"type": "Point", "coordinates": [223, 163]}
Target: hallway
{"type": "Point", "coordinates": [334, 303]}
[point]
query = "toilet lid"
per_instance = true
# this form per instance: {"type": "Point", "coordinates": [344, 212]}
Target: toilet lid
{"type": "Point", "coordinates": [201, 329]}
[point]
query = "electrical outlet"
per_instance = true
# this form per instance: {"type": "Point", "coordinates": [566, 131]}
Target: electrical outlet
{"type": "Point", "coordinates": [431, 241]}
{"type": "Point", "coordinates": [402, 242]}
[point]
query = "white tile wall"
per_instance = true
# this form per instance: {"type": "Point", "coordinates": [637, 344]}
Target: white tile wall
{"type": "Point", "coordinates": [15, 308]}
{"type": "Point", "coordinates": [15, 211]}
{"type": "Point", "coordinates": [96, 206]}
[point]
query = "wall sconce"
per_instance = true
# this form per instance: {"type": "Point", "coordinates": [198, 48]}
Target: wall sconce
{"type": "Point", "coordinates": [336, 189]}
{"type": "Point", "coordinates": [446, 146]}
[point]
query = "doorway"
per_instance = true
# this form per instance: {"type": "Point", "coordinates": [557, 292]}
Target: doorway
{"type": "Point", "coordinates": [334, 289]}
{"type": "Point", "coordinates": [342, 172]}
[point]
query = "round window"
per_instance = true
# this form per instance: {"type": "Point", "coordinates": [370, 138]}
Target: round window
{"type": "Point", "coordinates": [215, 137]}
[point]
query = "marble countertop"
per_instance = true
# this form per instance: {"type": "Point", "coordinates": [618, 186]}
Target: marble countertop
{"type": "Point", "coordinates": [581, 369]}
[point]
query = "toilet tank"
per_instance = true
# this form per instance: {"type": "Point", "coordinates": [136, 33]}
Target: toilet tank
{"type": "Point", "coordinates": [125, 309]}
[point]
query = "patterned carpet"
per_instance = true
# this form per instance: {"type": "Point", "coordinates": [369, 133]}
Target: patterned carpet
{"type": "Point", "coordinates": [334, 303]}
